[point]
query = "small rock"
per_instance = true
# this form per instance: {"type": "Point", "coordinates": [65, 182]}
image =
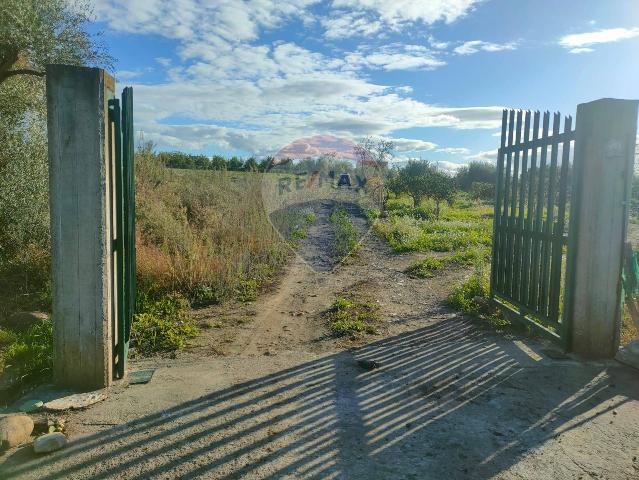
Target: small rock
{"type": "Point", "coordinates": [15, 429]}
{"type": "Point", "coordinates": [31, 406]}
{"type": "Point", "coordinates": [23, 321]}
{"type": "Point", "coordinates": [368, 364]}
{"type": "Point", "coordinates": [49, 442]}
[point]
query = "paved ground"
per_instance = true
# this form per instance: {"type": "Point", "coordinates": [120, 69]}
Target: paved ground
{"type": "Point", "coordinates": [278, 398]}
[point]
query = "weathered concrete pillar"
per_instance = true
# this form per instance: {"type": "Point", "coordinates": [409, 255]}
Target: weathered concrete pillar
{"type": "Point", "coordinates": [80, 200]}
{"type": "Point", "coordinates": [603, 168]}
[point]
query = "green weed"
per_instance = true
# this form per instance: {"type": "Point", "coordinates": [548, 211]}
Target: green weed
{"type": "Point", "coordinates": [429, 266]}
{"type": "Point", "coordinates": [351, 317]}
{"type": "Point", "coordinates": [30, 354]}
{"type": "Point", "coordinates": [472, 297]}
{"type": "Point", "coordinates": [161, 325]}
{"type": "Point", "coordinates": [345, 234]}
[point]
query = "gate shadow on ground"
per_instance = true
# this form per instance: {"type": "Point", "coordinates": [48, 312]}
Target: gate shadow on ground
{"type": "Point", "coordinates": [449, 401]}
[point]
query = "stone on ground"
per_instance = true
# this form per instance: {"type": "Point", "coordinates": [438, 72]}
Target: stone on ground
{"type": "Point", "coordinates": [15, 429]}
{"type": "Point", "coordinates": [76, 401]}
{"type": "Point", "coordinates": [49, 442]}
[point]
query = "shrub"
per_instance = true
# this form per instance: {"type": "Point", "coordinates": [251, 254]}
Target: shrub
{"type": "Point", "coordinates": [161, 325]}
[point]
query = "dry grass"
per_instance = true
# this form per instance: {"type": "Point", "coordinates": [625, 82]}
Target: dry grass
{"type": "Point", "coordinates": [203, 234]}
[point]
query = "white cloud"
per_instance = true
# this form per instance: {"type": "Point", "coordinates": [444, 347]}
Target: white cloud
{"type": "Point", "coordinates": [483, 156]}
{"type": "Point", "coordinates": [128, 74]}
{"type": "Point", "coordinates": [581, 50]}
{"type": "Point", "coordinates": [474, 46]}
{"type": "Point", "coordinates": [403, 145]}
{"type": "Point", "coordinates": [349, 18]}
{"type": "Point", "coordinates": [394, 57]}
{"type": "Point", "coordinates": [350, 24]}
{"type": "Point", "coordinates": [454, 150]}
{"type": "Point", "coordinates": [579, 42]}
{"type": "Point", "coordinates": [450, 168]}
{"type": "Point", "coordinates": [241, 94]}
{"type": "Point", "coordinates": [436, 43]}
{"type": "Point", "coordinates": [397, 12]}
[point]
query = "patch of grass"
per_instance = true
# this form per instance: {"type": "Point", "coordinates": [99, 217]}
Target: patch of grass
{"type": "Point", "coordinates": [352, 317]}
{"type": "Point", "coordinates": [247, 290]}
{"type": "Point", "coordinates": [462, 226]}
{"type": "Point", "coordinates": [431, 265]}
{"type": "Point", "coordinates": [29, 354]}
{"type": "Point", "coordinates": [162, 325]}
{"type": "Point", "coordinates": [372, 215]}
{"type": "Point", "coordinates": [472, 297]}
{"type": "Point", "coordinates": [345, 233]}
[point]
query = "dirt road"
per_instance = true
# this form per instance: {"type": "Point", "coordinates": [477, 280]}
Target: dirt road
{"type": "Point", "coordinates": [266, 392]}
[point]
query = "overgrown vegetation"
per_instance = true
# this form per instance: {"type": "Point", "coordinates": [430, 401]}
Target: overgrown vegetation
{"type": "Point", "coordinates": [472, 297]}
{"type": "Point", "coordinates": [345, 233]}
{"type": "Point", "coordinates": [429, 266]}
{"type": "Point", "coordinates": [461, 226]}
{"type": "Point", "coordinates": [293, 222]}
{"type": "Point", "coordinates": [162, 325]}
{"type": "Point", "coordinates": [349, 316]}
{"type": "Point", "coordinates": [28, 354]}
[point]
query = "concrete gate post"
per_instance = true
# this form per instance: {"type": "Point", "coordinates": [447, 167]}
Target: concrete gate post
{"type": "Point", "coordinates": [603, 169]}
{"type": "Point", "coordinates": [80, 204]}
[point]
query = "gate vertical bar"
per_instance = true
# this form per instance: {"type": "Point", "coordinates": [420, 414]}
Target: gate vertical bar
{"type": "Point", "coordinates": [550, 218]}
{"type": "Point", "coordinates": [128, 165]}
{"type": "Point", "coordinates": [533, 299]}
{"type": "Point", "coordinates": [511, 231]}
{"type": "Point", "coordinates": [494, 278]}
{"type": "Point", "coordinates": [520, 217]}
{"type": "Point", "coordinates": [503, 224]}
{"type": "Point", "coordinates": [530, 212]}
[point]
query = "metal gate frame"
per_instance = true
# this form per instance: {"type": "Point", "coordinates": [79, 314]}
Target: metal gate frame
{"type": "Point", "coordinates": [530, 219]}
{"type": "Point", "coordinates": [122, 156]}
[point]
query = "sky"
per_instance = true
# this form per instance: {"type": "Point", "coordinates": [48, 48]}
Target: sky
{"type": "Point", "coordinates": [247, 77]}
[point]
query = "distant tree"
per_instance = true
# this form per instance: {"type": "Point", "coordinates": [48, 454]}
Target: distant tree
{"type": "Point", "coordinates": [185, 160]}
{"type": "Point", "coordinates": [218, 162]}
{"type": "Point", "coordinates": [375, 153]}
{"type": "Point", "coordinates": [265, 164]}
{"type": "Point", "coordinates": [413, 180]}
{"type": "Point", "coordinates": [441, 188]}
{"type": "Point", "coordinates": [251, 165]}
{"type": "Point", "coordinates": [482, 191]}
{"type": "Point", "coordinates": [34, 33]}
{"type": "Point", "coordinates": [394, 183]}
{"type": "Point", "coordinates": [235, 164]}
{"type": "Point", "coordinates": [475, 172]}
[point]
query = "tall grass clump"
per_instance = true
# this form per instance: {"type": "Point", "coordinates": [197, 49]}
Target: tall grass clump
{"type": "Point", "coordinates": [202, 234]}
{"type": "Point", "coordinates": [345, 241]}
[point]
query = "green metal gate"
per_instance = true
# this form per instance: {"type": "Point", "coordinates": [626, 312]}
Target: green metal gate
{"type": "Point", "coordinates": [122, 225]}
{"type": "Point", "coordinates": [531, 220]}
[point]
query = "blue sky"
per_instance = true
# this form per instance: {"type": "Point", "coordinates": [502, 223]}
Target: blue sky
{"type": "Point", "coordinates": [247, 77]}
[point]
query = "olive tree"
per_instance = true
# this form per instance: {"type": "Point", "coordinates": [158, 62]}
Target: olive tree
{"type": "Point", "coordinates": [34, 33]}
